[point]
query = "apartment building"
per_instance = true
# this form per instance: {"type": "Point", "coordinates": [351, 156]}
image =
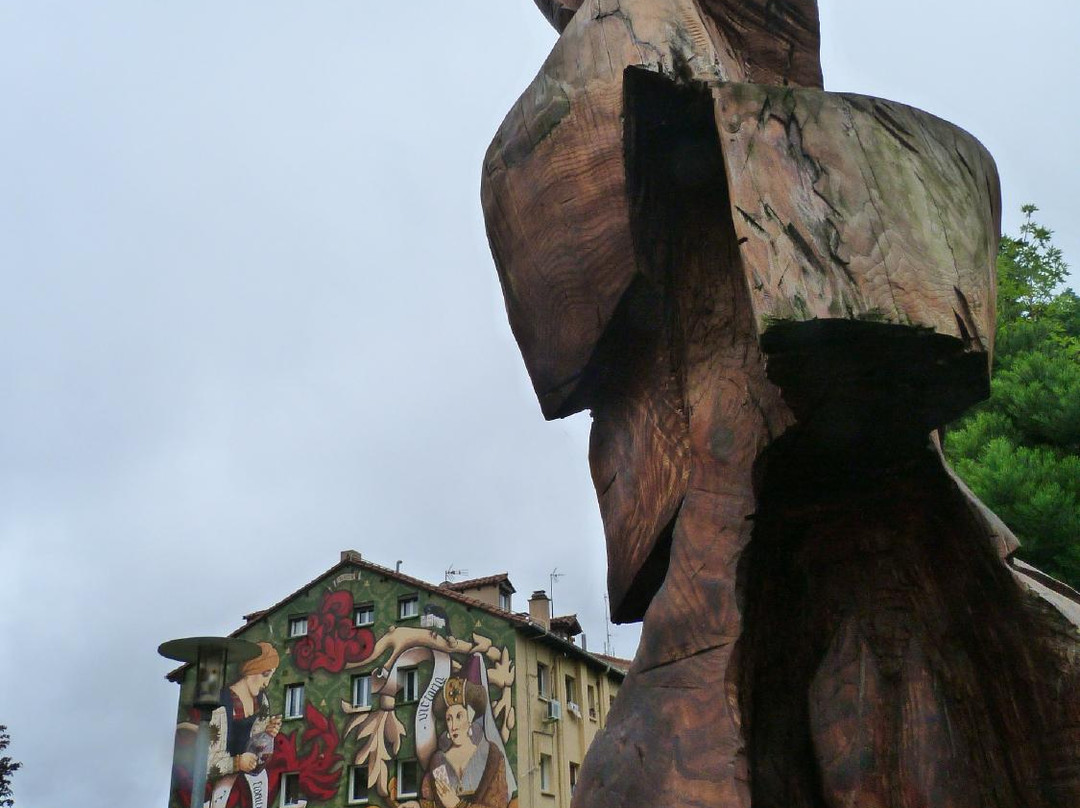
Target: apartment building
{"type": "Point", "coordinates": [374, 688]}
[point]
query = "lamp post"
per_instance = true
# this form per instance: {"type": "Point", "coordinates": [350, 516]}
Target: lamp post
{"type": "Point", "coordinates": [210, 655]}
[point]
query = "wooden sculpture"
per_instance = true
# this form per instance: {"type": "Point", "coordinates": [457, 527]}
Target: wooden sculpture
{"type": "Point", "coordinates": [770, 297]}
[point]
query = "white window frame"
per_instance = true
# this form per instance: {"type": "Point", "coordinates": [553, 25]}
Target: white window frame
{"type": "Point", "coordinates": [543, 680]}
{"type": "Point", "coordinates": [356, 681]}
{"type": "Point", "coordinates": [364, 608]}
{"type": "Point", "coordinates": [570, 686]}
{"type": "Point", "coordinates": [354, 771]}
{"type": "Point", "coordinates": [298, 626]}
{"type": "Point", "coordinates": [405, 677]}
{"type": "Point", "coordinates": [284, 790]}
{"type": "Point", "coordinates": [575, 773]}
{"type": "Point", "coordinates": [545, 774]}
{"type": "Point", "coordinates": [594, 713]}
{"type": "Point", "coordinates": [504, 600]}
{"type": "Point", "coordinates": [292, 708]}
{"type": "Point", "coordinates": [408, 607]}
{"type": "Point", "coordinates": [400, 779]}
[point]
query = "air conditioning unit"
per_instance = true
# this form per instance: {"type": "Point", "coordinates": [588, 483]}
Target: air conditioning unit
{"type": "Point", "coordinates": [554, 710]}
{"type": "Point", "coordinates": [572, 707]}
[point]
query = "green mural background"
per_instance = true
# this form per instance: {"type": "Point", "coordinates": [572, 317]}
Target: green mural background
{"type": "Point", "coordinates": [326, 741]}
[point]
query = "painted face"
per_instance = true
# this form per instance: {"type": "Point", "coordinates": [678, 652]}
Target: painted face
{"type": "Point", "coordinates": [258, 682]}
{"type": "Point", "coordinates": [457, 724]}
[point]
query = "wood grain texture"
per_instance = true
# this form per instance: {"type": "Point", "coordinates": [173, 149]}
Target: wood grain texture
{"type": "Point", "coordinates": [769, 297]}
{"type": "Point", "coordinates": [558, 212]}
{"type": "Point", "coordinates": [638, 450]}
{"type": "Point", "coordinates": [778, 40]}
{"type": "Point", "coordinates": [554, 185]}
{"type": "Point", "coordinates": [854, 207]}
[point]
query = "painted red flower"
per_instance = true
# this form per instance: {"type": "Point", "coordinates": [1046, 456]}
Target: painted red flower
{"type": "Point", "coordinates": [303, 653]}
{"type": "Point", "coordinates": [338, 603]}
{"type": "Point", "coordinates": [314, 756]}
{"type": "Point", "coordinates": [332, 640]}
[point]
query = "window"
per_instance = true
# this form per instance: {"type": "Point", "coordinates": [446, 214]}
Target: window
{"type": "Point", "coordinates": [408, 684]}
{"type": "Point", "coordinates": [408, 607]}
{"type": "Point", "coordinates": [591, 692]}
{"type": "Point", "coordinates": [298, 626]}
{"type": "Point", "coordinates": [504, 600]}
{"type": "Point", "coordinates": [571, 689]}
{"type": "Point", "coordinates": [358, 784]}
{"type": "Point", "coordinates": [573, 777]}
{"type": "Point", "coordinates": [543, 680]}
{"type": "Point", "coordinates": [545, 773]}
{"type": "Point", "coordinates": [364, 615]}
{"type": "Point", "coordinates": [361, 690]}
{"type": "Point", "coordinates": [290, 788]}
{"type": "Point", "coordinates": [294, 701]}
{"type": "Point", "coordinates": [408, 781]}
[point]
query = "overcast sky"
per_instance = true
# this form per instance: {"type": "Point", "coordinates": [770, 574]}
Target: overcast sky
{"type": "Point", "coordinates": [248, 318]}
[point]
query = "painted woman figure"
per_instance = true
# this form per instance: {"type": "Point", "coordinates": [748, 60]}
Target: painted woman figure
{"type": "Point", "coordinates": [242, 729]}
{"type": "Point", "coordinates": [467, 770]}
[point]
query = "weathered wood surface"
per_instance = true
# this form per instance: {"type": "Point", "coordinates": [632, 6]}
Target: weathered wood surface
{"type": "Point", "coordinates": [825, 189]}
{"type": "Point", "coordinates": [768, 296]}
{"type": "Point", "coordinates": [554, 177]}
{"type": "Point", "coordinates": [554, 188]}
{"type": "Point", "coordinates": [777, 41]}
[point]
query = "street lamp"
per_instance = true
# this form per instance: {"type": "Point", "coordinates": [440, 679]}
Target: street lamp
{"type": "Point", "coordinates": [210, 655]}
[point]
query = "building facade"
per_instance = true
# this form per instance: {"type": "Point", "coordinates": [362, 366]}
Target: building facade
{"type": "Point", "coordinates": [375, 688]}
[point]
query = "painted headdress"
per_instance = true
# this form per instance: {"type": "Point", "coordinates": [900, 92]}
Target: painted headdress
{"type": "Point", "coordinates": [267, 660]}
{"type": "Point", "coordinates": [463, 689]}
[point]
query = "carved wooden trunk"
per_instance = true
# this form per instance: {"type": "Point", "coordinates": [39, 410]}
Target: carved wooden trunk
{"type": "Point", "coordinates": [769, 296]}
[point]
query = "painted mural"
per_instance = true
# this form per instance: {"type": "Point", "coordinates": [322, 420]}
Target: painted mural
{"type": "Point", "coordinates": [248, 751]}
{"type": "Point", "coordinates": [459, 733]}
{"type": "Point", "coordinates": [399, 711]}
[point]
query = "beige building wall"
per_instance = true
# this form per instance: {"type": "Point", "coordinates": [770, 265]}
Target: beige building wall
{"type": "Point", "coordinates": [562, 741]}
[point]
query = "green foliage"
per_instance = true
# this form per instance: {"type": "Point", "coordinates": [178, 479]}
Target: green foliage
{"type": "Point", "coordinates": [1037, 492]}
{"type": "Point", "coordinates": [8, 767]}
{"type": "Point", "coordinates": [1020, 450]}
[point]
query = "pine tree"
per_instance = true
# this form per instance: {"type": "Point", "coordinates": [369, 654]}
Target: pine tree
{"type": "Point", "coordinates": [1020, 450]}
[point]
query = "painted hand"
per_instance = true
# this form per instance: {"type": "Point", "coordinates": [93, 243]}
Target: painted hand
{"type": "Point", "coordinates": [247, 762]}
{"type": "Point", "coordinates": [446, 795]}
{"type": "Point", "coordinates": [273, 727]}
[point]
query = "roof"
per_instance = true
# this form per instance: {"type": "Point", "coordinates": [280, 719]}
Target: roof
{"type": "Point", "coordinates": [478, 583]}
{"type": "Point", "coordinates": [566, 624]}
{"type": "Point", "coordinates": [353, 560]}
{"type": "Point", "coordinates": [618, 663]}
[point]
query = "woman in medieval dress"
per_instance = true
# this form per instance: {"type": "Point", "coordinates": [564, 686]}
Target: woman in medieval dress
{"type": "Point", "coordinates": [467, 770]}
{"type": "Point", "coordinates": [242, 729]}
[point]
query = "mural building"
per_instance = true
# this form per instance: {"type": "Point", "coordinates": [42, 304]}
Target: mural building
{"type": "Point", "coordinates": [375, 688]}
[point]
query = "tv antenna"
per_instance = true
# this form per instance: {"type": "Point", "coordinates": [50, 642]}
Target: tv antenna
{"type": "Point", "coordinates": [555, 575]}
{"type": "Point", "coordinates": [607, 627]}
{"type": "Point", "coordinates": [451, 573]}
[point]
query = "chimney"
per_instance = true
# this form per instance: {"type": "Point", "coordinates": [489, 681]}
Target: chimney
{"type": "Point", "coordinates": [540, 609]}
{"type": "Point", "coordinates": [350, 555]}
